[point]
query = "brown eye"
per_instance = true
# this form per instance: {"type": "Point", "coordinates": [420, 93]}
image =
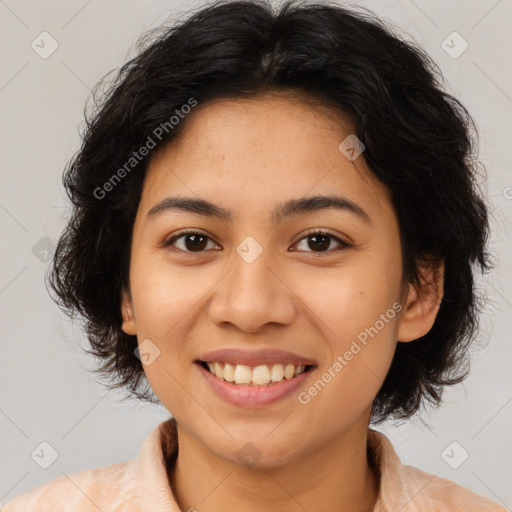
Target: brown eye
{"type": "Point", "coordinates": [190, 241]}
{"type": "Point", "coordinates": [320, 241]}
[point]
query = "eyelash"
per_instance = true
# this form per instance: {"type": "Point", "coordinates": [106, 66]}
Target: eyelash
{"type": "Point", "coordinates": [309, 233]}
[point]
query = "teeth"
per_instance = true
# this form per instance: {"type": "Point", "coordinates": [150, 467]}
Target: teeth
{"type": "Point", "coordinates": [229, 372]}
{"type": "Point", "coordinates": [289, 371]}
{"type": "Point", "coordinates": [259, 375]}
{"type": "Point", "coordinates": [243, 374]}
{"type": "Point", "coordinates": [298, 370]}
{"type": "Point", "coordinates": [219, 372]}
{"type": "Point", "coordinates": [276, 374]}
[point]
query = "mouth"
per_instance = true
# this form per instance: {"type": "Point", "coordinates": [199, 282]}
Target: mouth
{"type": "Point", "coordinates": [254, 376]}
{"type": "Point", "coordinates": [252, 387]}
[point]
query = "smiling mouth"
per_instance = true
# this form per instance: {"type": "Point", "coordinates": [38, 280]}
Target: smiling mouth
{"type": "Point", "coordinates": [252, 376]}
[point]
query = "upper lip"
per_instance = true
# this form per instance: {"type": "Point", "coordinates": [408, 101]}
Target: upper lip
{"type": "Point", "coordinates": [255, 357]}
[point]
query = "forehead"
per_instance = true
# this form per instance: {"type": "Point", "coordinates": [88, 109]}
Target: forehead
{"type": "Point", "coordinates": [247, 127]}
{"type": "Point", "coordinates": [248, 152]}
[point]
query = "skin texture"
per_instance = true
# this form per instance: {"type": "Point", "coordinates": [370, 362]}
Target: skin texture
{"type": "Point", "coordinates": [248, 156]}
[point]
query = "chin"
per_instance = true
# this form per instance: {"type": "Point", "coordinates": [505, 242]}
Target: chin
{"type": "Point", "coordinates": [257, 453]}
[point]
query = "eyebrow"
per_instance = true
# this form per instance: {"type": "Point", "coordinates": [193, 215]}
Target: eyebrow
{"type": "Point", "coordinates": [287, 209]}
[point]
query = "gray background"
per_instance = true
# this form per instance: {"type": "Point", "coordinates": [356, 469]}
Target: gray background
{"type": "Point", "coordinates": [47, 392]}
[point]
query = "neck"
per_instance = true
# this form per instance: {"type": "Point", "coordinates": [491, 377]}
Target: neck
{"type": "Point", "coordinates": [338, 475]}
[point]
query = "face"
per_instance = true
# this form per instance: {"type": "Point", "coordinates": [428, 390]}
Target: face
{"type": "Point", "coordinates": [320, 284]}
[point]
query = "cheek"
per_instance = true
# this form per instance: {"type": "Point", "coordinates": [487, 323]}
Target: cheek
{"type": "Point", "coordinates": [359, 341]}
{"type": "Point", "coordinates": [358, 306]}
{"type": "Point", "coordinates": [163, 303]}
{"type": "Point", "coordinates": [163, 296]}
{"type": "Point", "coordinates": [354, 298]}
{"type": "Point", "coordinates": [162, 316]}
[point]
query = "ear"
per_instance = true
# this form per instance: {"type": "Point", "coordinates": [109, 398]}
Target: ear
{"type": "Point", "coordinates": [127, 312]}
{"type": "Point", "coordinates": [422, 302]}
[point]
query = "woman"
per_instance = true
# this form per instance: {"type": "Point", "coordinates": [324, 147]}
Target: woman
{"type": "Point", "coordinates": [275, 220]}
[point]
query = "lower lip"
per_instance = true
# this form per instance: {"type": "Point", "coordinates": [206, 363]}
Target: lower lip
{"type": "Point", "coordinates": [253, 396]}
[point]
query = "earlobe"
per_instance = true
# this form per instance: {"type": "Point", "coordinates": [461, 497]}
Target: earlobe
{"type": "Point", "coordinates": [422, 303]}
{"type": "Point", "coordinates": [127, 313]}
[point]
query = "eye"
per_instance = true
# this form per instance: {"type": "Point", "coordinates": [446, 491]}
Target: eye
{"type": "Point", "coordinates": [193, 241]}
{"type": "Point", "coordinates": [320, 241]}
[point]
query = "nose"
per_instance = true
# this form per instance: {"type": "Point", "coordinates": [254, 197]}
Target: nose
{"type": "Point", "coordinates": [251, 296]}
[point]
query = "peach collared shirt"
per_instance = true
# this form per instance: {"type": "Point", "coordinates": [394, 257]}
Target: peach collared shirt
{"type": "Point", "coordinates": [141, 484]}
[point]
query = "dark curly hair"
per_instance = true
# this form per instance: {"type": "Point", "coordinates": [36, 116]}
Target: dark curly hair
{"type": "Point", "coordinates": [420, 141]}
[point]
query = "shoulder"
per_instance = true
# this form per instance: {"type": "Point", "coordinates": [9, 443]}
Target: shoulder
{"type": "Point", "coordinates": [404, 487]}
{"type": "Point", "coordinates": [426, 491]}
{"type": "Point", "coordinates": [89, 490]}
